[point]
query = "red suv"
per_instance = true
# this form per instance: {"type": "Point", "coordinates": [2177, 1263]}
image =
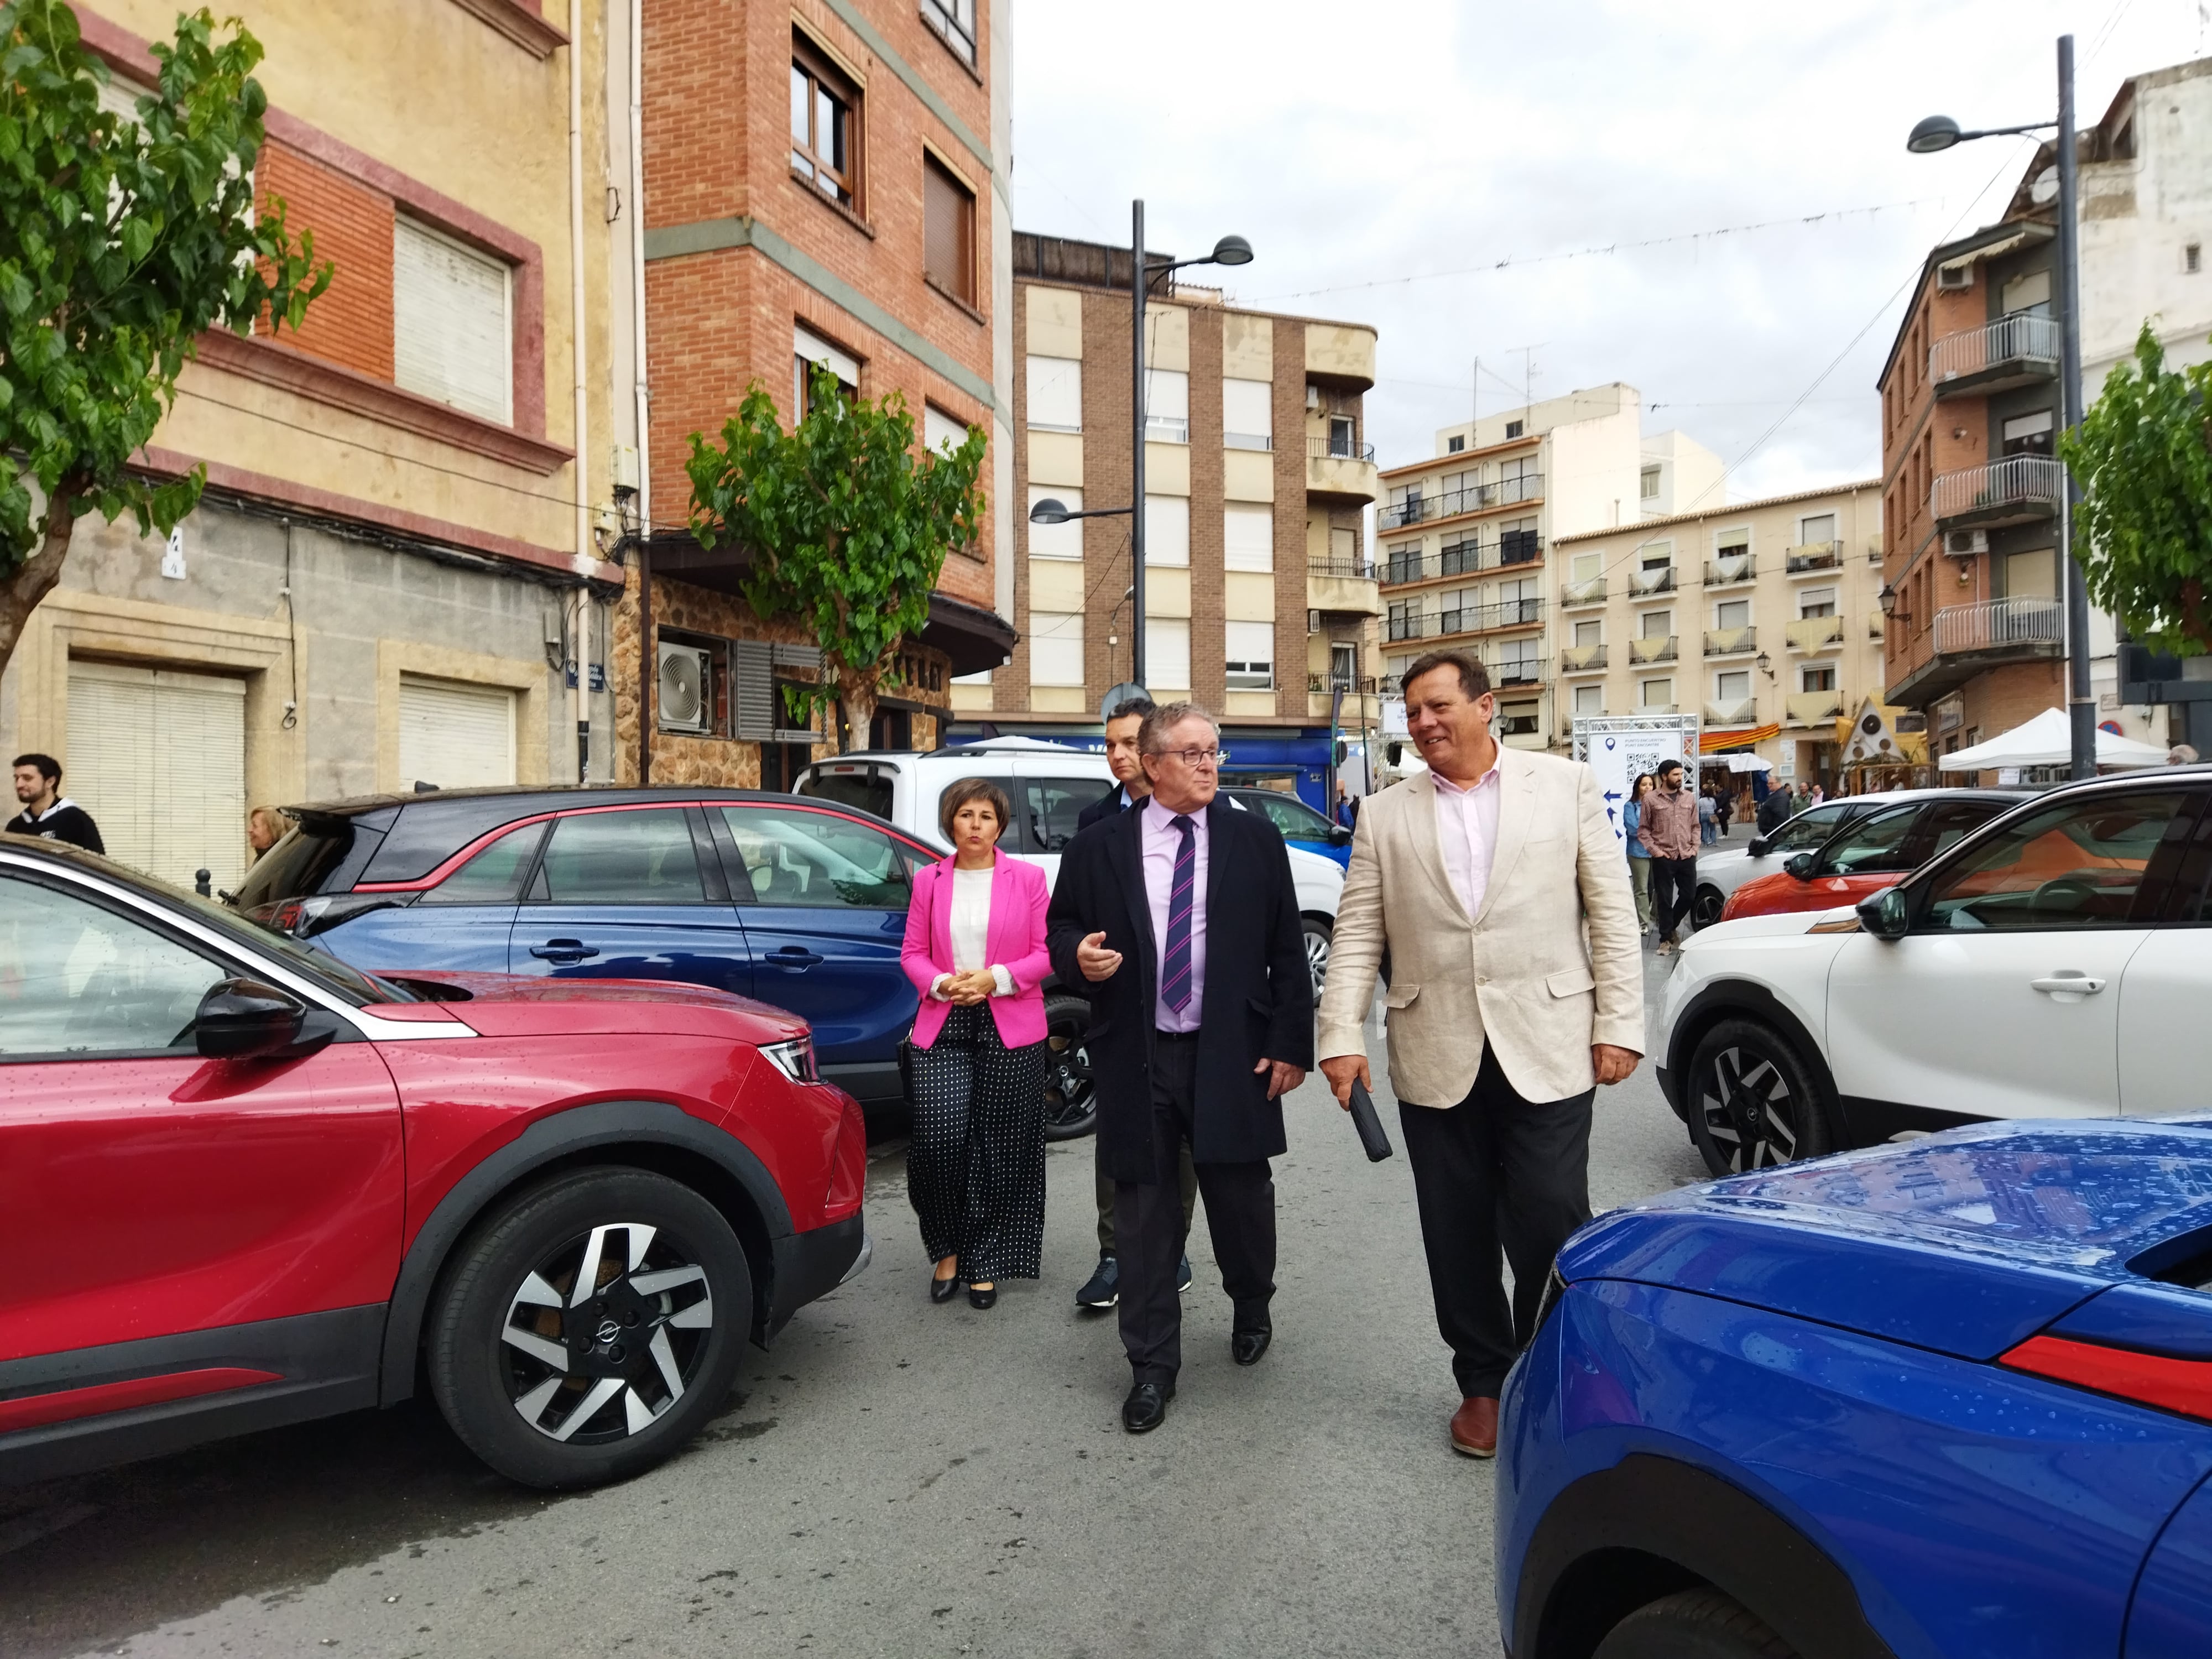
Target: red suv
{"type": "Point", "coordinates": [246, 1185]}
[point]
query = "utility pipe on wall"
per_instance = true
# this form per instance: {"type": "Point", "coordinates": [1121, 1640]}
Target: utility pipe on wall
{"type": "Point", "coordinates": [586, 555]}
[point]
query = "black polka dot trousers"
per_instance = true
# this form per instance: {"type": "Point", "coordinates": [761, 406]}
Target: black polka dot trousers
{"type": "Point", "coordinates": [975, 1167]}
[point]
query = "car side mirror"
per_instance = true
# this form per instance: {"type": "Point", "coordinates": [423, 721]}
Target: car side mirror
{"type": "Point", "coordinates": [1758, 850]}
{"type": "Point", "coordinates": [242, 1018]}
{"type": "Point", "coordinates": [1339, 836]}
{"type": "Point", "coordinates": [1802, 865]}
{"type": "Point", "coordinates": [1887, 914]}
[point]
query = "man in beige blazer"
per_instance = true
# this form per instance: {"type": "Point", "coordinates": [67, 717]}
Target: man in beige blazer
{"type": "Point", "coordinates": [1496, 884]}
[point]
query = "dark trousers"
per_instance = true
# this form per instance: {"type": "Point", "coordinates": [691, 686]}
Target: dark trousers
{"type": "Point", "coordinates": [1187, 1180]}
{"type": "Point", "coordinates": [1495, 1169]}
{"type": "Point", "coordinates": [1149, 1220]}
{"type": "Point", "coordinates": [1673, 891]}
{"type": "Point", "coordinates": [976, 1165]}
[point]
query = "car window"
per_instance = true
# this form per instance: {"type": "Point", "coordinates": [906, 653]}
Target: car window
{"type": "Point", "coordinates": [815, 860]}
{"type": "Point", "coordinates": [493, 876]}
{"type": "Point", "coordinates": [1875, 842]}
{"type": "Point", "coordinates": [1297, 820]}
{"type": "Point", "coordinates": [868, 788]}
{"type": "Point", "coordinates": [1807, 830]}
{"type": "Point", "coordinates": [295, 865]}
{"type": "Point", "coordinates": [1049, 809]}
{"type": "Point", "coordinates": [621, 858]}
{"type": "Point", "coordinates": [2074, 864]}
{"type": "Point", "coordinates": [1947, 825]}
{"type": "Point", "coordinates": [76, 978]}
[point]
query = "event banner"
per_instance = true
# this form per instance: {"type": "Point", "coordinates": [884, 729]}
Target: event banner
{"type": "Point", "coordinates": [1618, 747]}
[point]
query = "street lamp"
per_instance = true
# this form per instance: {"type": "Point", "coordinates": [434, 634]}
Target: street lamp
{"type": "Point", "coordinates": [1887, 600]}
{"type": "Point", "coordinates": [1940, 132]}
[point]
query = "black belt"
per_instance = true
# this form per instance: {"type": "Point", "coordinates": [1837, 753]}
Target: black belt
{"type": "Point", "coordinates": [1174, 1036]}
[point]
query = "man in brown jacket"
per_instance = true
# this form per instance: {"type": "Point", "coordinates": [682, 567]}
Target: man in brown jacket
{"type": "Point", "coordinates": [1668, 827]}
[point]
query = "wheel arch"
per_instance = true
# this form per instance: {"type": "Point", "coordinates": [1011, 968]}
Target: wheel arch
{"type": "Point", "coordinates": [646, 1134]}
{"type": "Point", "coordinates": [1738, 998]}
{"type": "Point", "coordinates": [1622, 1537]}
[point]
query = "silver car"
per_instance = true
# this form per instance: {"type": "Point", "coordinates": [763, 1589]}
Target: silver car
{"type": "Point", "coordinates": [1723, 870]}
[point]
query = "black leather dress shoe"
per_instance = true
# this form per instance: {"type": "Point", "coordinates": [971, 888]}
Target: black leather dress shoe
{"type": "Point", "coordinates": [944, 1290]}
{"type": "Point", "coordinates": [982, 1298]}
{"type": "Point", "coordinates": [1245, 1347]}
{"type": "Point", "coordinates": [1146, 1407]}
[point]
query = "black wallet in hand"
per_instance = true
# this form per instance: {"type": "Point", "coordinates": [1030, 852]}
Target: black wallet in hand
{"type": "Point", "coordinates": [1364, 1119]}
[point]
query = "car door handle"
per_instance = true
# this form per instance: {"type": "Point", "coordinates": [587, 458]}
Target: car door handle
{"type": "Point", "coordinates": [797, 957]}
{"type": "Point", "coordinates": [564, 950]}
{"type": "Point", "coordinates": [2080, 985]}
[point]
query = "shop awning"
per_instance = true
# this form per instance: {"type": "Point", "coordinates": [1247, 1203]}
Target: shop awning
{"type": "Point", "coordinates": [1714, 743]}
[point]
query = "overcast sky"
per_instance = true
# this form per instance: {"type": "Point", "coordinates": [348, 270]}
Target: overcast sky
{"type": "Point", "coordinates": [1360, 143]}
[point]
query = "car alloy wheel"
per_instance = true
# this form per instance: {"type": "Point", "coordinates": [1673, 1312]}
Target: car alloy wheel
{"type": "Point", "coordinates": [605, 1334]}
{"type": "Point", "coordinates": [1753, 1103]}
{"type": "Point", "coordinates": [1706, 905]}
{"type": "Point", "coordinates": [1318, 936]}
{"type": "Point", "coordinates": [1071, 1103]}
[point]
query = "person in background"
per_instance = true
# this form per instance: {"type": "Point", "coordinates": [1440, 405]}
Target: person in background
{"type": "Point", "coordinates": [2181, 755]}
{"type": "Point", "coordinates": [1669, 829]}
{"type": "Point", "coordinates": [1724, 807]}
{"type": "Point", "coordinates": [1640, 856]}
{"type": "Point", "coordinates": [1103, 1288]}
{"type": "Point", "coordinates": [1816, 796]}
{"type": "Point", "coordinates": [263, 831]}
{"type": "Point", "coordinates": [975, 950]}
{"type": "Point", "coordinates": [47, 813]}
{"type": "Point", "coordinates": [1348, 807]}
{"type": "Point", "coordinates": [1709, 816]}
{"type": "Point", "coordinates": [1774, 809]}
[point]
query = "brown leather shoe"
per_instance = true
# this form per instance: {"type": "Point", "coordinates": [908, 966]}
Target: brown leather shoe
{"type": "Point", "coordinates": [1474, 1428]}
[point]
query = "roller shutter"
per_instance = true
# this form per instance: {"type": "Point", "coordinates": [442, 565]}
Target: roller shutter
{"type": "Point", "coordinates": [158, 758]}
{"type": "Point", "coordinates": [453, 735]}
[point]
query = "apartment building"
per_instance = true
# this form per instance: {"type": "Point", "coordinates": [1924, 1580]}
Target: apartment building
{"type": "Point", "coordinates": [1259, 601]}
{"type": "Point", "coordinates": [396, 563]}
{"type": "Point", "coordinates": [1970, 406]}
{"type": "Point", "coordinates": [824, 187]}
{"type": "Point", "coordinates": [1462, 535]}
{"type": "Point", "coordinates": [1762, 617]}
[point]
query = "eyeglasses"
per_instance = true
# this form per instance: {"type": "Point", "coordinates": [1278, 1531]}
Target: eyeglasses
{"type": "Point", "coordinates": [1194, 757]}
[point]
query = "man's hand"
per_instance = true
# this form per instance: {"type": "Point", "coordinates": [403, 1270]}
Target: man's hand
{"type": "Point", "coordinates": [1282, 1079]}
{"type": "Point", "coordinates": [1612, 1064]}
{"type": "Point", "coordinates": [1096, 962]}
{"type": "Point", "coordinates": [1341, 1070]}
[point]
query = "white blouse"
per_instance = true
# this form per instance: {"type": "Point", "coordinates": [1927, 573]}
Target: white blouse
{"type": "Point", "coordinates": [970, 922]}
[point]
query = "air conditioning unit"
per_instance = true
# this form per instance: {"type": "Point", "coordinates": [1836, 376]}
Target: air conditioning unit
{"type": "Point", "coordinates": [1965, 543]}
{"type": "Point", "coordinates": [1953, 278]}
{"type": "Point", "coordinates": [686, 675]}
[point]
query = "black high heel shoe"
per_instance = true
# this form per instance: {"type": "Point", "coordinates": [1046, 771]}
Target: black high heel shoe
{"type": "Point", "coordinates": [944, 1290]}
{"type": "Point", "coordinates": [982, 1298]}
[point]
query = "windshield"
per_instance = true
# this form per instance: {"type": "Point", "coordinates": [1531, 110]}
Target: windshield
{"type": "Point", "coordinates": [862, 787]}
{"type": "Point", "coordinates": [1807, 831]}
{"type": "Point", "coordinates": [1875, 842]}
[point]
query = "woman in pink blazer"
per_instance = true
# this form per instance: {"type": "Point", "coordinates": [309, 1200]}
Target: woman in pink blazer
{"type": "Point", "coordinates": [975, 950]}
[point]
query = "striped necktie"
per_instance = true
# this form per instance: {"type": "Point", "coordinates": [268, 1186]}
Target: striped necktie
{"type": "Point", "coordinates": [1174, 963]}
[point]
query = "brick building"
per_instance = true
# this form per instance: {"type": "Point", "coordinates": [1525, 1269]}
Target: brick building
{"type": "Point", "coordinates": [822, 185]}
{"type": "Point", "coordinates": [398, 551]}
{"type": "Point", "coordinates": [1260, 599]}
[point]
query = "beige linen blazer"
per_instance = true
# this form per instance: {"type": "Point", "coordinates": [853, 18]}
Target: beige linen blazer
{"type": "Point", "coordinates": [1525, 975]}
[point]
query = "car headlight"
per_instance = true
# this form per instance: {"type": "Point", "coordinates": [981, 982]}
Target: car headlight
{"type": "Point", "coordinates": [794, 1059]}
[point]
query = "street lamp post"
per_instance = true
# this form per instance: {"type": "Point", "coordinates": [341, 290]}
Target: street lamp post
{"type": "Point", "coordinates": [1940, 132]}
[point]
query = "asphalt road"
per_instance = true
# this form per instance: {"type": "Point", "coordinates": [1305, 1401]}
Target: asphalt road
{"type": "Point", "coordinates": [893, 1479]}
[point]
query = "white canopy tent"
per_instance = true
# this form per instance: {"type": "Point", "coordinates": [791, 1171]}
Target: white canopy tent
{"type": "Point", "coordinates": [2047, 740]}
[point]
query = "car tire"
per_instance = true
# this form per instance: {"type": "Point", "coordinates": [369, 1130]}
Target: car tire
{"type": "Point", "coordinates": [1071, 1099]}
{"type": "Point", "coordinates": [1698, 1623]}
{"type": "Point", "coordinates": [1318, 935]}
{"type": "Point", "coordinates": [515, 1356]}
{"type": "Point", "coordinates": [1753, 1101]}
{"type": "Point", "coordinates": [1706, 905]}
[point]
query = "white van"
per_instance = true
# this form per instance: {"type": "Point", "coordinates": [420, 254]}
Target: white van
{"type": "Point", "coordinates": [1049, 785]}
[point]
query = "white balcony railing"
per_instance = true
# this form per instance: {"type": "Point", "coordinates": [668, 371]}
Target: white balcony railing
{"type": "Point", "coordinates": [1590, 591]}
{"type": "Point", "coordinates": [1744, 713]}
{"type": "Point", "coordinates": [1581, 659]}
{"type": "Point", "coordinates": [2008, 340]}
{"type": "Point", "coordinates": [2014, 482]}
{"type": "Point", "coordinates": [1730, 568]}
{"type": "Point", "coordinates": [1727, 641]}
{"type": "Point", "coordinates": [1656, 648]}
{"type": "Point", "coordinates": [1657, 579]}
{"type": "Point", "coordinates": [1815, 633]}
{"type": "Point", "coordinates": [1996, 624]}
{"type": "Point", "coordinates": [1811, 708]}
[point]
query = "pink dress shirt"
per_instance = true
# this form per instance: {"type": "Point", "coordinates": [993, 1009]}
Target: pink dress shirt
{"type": "Point", "coordinates": [1466, 831]}
{"type": "Point", "coordinates": [1161, 842]}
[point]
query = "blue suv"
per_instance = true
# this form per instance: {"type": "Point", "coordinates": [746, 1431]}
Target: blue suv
{"type": "Point", "coordinates": [1951, 1398]}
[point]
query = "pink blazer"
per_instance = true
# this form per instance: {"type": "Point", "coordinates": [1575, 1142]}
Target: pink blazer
{"type": "Point", "coordinates": [1014, 941]}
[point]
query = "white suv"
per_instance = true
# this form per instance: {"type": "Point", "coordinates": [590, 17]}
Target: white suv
{"type": "Point", "coordinates": [2057, 962]}
{"type": "Point", "coordinates": [1050, 786]}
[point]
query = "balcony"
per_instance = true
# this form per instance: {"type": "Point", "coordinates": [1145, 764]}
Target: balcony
{"type": "Point", "coordinates": [1582, 658]}
{"type": "Point", "coordinates": [1877, 625]}
{"type": "Point", "coordinates": [1968, 639]}
{"type": "Point", "coordinates": [1660, 708]}
{"type": "Point", "coordinates": [1508, 672]}
{"type": "Point", "coordinates": [1430, 506]}
{"type": "Point", "coordinates": [1744, 713]}
{"type": "Point", "coordinates": [2016, 351]}
{"type": "Point", "coordinates": [1814, 632]}
{"type": "Point", "coordinates": [1729, 571]}
{"type": "Point", "coordinates": [1814, 708]}
{"type": "Point", "coordinates": [1730, 641]}
{"type": "Point", "coordinates": [2018, 490]}
{"type": "Point", "coordinates": [1344, 586]}
{"type": "Point", "coordinates": [1467, 619]}
{"type": "Point", "coordinates": [1812, 556]}
{"type": "Point", "coordinates": [1661, 649]}
{"type": "Point", "coordinates": [1342, 470]}
{"type": "Point", "coordinates": [1591, 592]}
{"type": "Point", "coordinates": [1464, 558]}
{"type": "Point", "coordinates": [1657, 579]}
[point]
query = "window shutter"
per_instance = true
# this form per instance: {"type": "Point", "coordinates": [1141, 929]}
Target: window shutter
{"type": "Point", "coordinates": [1055, 647]}
{"type": "Point", "coordinates": [1247, 411]}
{"type": "Point", "coordinates": [1167, 654]}
{"type": "Point", "coordinates": [451, 336]}
{"type": "Point", "coordinates": [1247, 538]}
{"type": "Point", "coordinates": [940, 431]}
{"type": "Point", "coordinates": [946, 208]}
{"type": "Point", "coordinates": [454, 735]}
{"type": "Point", "coordinates": [1167, 531]}
{"type": "Point", "coordinates": [1057, 541]}
{"type": "Point", "coordinates": [158, 758]}
{"type": "Point", "coordinates": [1056, 393]}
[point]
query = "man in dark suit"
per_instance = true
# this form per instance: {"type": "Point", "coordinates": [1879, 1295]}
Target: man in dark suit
{"type": "Point", "coordinates": [1180, 921]}
{"type": "Point", "coordinates": [1130, 783]}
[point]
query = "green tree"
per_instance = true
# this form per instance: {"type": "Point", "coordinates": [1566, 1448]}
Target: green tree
{"type": "Point", "coordinates": [2144, 531]}
{"type": "Point", "coordinates": [121, 241]}
{"type": "Point", "coordinates": [846, 522]}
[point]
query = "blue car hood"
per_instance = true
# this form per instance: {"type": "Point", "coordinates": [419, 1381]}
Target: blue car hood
{"type": "Point", "coordinates": [1967, 1243]}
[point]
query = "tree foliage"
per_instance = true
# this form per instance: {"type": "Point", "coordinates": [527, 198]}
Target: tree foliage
{"type": "Point", "coordinates": [848, 524]}
{"type": "Point", "coordinates": [2144, 531]}
{"type": "Point", "coordinates": [121, 240]}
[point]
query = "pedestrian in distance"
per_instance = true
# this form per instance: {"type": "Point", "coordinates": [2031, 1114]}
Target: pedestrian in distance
{"type": "Point", "coordinates": [1709, 818]}
{"type": "Point", "coordinates": [1724, 809]}
{"type": "Point", "coordinates": [1640, 856]}
{"type": "Point", "coordinates": [1817, 796]}
{"type": "Point", "coordinates": [1348, 807]}
{"type": "Point", "coordinates": [1103, 1288]}
{"type": "Point", "coordinates": [263, 831]}
{"type": "Point", "coordinates": [1484, 878]}
{"type": "Point", "coordinates": [1668, 830]}
{"type": "Point", "coordinates": [1179, 920]}
{"type": "Point", "coordinates": [975, 951]}
{"type": "Point", "coordinates": [47, 813]}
